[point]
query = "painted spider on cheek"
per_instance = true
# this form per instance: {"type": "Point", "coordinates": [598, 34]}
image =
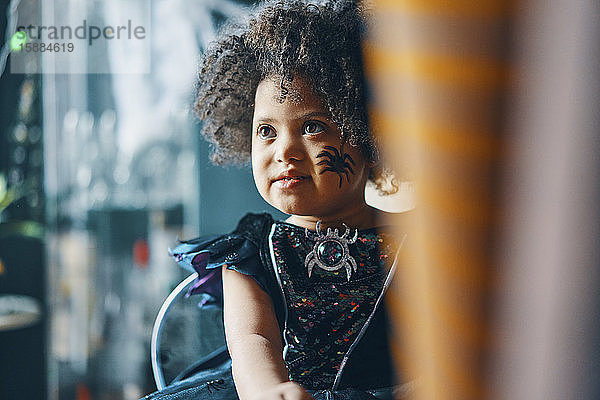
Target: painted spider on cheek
{"type": "Point", "coordinates": [336, 161]}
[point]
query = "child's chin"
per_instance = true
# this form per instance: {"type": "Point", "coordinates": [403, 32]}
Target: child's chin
{"type": "Point", "coordinates": [294, 209]}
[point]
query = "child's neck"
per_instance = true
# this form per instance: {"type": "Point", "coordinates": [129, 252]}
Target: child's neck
{"type": "Point", "coordinates": [362, 217]}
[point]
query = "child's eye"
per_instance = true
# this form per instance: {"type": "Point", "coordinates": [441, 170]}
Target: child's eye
{"type": "Point", "coordinates": [266, 132]}
{"type": "Point", "coordinates": [313, 127]}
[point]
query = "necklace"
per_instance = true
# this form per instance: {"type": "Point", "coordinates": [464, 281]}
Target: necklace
{"type": "Point", "coordinates": [331, 251]}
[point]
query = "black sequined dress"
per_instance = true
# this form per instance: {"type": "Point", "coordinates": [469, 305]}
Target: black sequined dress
{"type": "Point", "coordinates": [334, 323]}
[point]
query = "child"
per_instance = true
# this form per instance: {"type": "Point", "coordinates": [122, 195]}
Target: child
{"type": "Point", "coordinates": [302, 299]}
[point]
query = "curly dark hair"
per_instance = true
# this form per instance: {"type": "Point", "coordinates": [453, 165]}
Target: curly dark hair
{"type": "Point", "coordinates": [319, 41]}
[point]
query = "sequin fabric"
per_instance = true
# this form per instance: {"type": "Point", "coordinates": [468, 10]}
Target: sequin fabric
{"type": "Point", "coordinates": [326, 312]}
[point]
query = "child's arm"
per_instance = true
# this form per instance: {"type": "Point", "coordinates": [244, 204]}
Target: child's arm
{"type": "Point", "coordinates": [254, 341]}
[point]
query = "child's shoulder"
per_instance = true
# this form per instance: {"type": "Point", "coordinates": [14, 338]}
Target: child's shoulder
{"type": "Point", "coordinates": [252, 218]}
{"type": "Point", "coordinates": [254, 226]}
{"type": "Point", "coordinates": [241, 243]}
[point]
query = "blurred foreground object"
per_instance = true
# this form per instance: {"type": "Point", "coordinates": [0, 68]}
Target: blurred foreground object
{"type": "Point", "coordinates": [488, 307]}
{"type": "Point", "coordinates": [439, 75]}
{"type": "Point", "coordinates": [549, 324]}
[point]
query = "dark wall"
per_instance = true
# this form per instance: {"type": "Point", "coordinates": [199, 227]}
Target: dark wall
{"type": "Point", "coordinates": [22, 263]}
{"type": "Point", "coordinates": [22, 349]}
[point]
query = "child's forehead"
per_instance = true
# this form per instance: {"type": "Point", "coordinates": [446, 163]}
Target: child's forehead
{"type": "Point", "coordinates": [297, 89]}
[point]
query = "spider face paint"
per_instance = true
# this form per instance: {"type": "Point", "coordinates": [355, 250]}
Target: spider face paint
{"type": "Point", "coordinates": [336, 161]}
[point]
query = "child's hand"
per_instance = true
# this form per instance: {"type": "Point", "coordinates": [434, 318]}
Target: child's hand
{"type": "Point", "coordinates": [285, 391]}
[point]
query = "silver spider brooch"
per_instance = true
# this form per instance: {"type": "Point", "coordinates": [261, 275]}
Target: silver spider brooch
{"type": "Point", "coordinates": [331, 251]}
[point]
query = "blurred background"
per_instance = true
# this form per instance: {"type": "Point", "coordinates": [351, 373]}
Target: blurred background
{"type": "Point", "coordinates": [491, 108]}
{"type": "Point", "coordinates": [100, 173]}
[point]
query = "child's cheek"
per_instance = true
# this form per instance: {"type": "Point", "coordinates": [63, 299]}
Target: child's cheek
{"type": "Point", "coordinates": [260, 175]}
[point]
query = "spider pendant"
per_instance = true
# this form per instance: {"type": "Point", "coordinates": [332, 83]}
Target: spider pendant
{"type": "Point", "coordinates": [331, 251]}
{"type": "Point", "coordinates": [336, 161]}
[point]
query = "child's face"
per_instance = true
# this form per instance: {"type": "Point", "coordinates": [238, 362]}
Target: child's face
{"type": "Point", "coordinates": [299, 164]}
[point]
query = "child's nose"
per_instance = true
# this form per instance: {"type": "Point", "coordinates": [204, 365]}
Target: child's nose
{"type": "Point", "coordinates": [289, 147]}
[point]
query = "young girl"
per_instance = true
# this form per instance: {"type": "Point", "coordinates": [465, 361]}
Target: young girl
{"type": "Point", "coordinates": [303, 298]}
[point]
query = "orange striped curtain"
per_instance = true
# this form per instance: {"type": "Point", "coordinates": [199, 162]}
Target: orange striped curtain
{"type": "Point", "coordinates": [439, 72]}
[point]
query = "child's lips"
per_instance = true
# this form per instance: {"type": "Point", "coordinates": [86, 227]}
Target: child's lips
{"type": "Point", "coordinates": [290, 181]}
